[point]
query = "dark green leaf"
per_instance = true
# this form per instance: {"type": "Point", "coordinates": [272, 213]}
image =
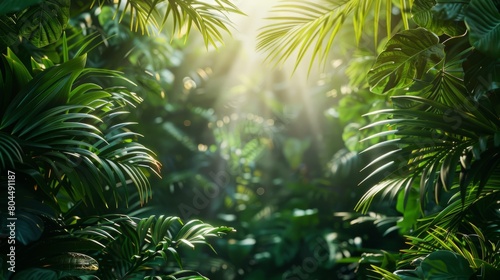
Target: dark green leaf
{"type": "Point", "coordinates": [407, 56]}
{"type": "Point", "coordinates": [426, 16]}
{"type": "Point", "coordinates": [43, 24]}
{"type": "Point", "coordinates": [29, 227]}
{"type": "Point", "coordinates": [483, 23]}
{"type": "Point", "coordinates": [446, 265]}
{"type": "Point", "coordinates": [408, 205]}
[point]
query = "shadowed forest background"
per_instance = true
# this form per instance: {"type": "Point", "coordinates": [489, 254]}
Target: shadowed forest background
{"type": "Point", "coordinates": [228, 139]}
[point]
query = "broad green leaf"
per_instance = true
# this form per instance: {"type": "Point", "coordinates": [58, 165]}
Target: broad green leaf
{"type": "Point", "coordinates": [451, 9]}
{"type": "Point", "coordinates": [446, 265]}
{"type": "Point", "coordinates": [407, 56]}
{"type": "Point", "coordinates": [482, 73]}
{"type": "Point", "coordinates": [43, 24]}
{"type": "Point", "coordinates": [483, 23]}
{"type": "Point", "coordinates": [49, 88]}
{"type": "Point", "coordinates": [436, 21]}
{"type": "Point", "coordinates": [408, 205]}
{"type": "Point", "coordinates": [29, 227]}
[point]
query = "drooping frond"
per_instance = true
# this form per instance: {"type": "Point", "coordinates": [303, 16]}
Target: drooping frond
{"type": "Point", "coordinates": [151, 15]}
{"type": "Point", "coordinates": [134, 246]}
{"type": "Point", "coordinates": [65, 135]}
{"type": "Point", "coordinates": [301, 26]}
{"type": "Point", "coordinates": [434, 147]}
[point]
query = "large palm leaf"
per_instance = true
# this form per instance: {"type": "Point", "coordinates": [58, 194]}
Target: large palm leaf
{"type": "Point", "coordinates": [133, 247]}
{"type": "Point", "coordinates": [116, 247]}
{"type": "Point", "coordinates": [300, 26]}
{"type": "Point", "coordinates": [42, 22]}
{"type": "Point", "coordinates": [151, 15]}
{"type": "Point", "coordinates": [443, 129]}
{"type": "Point", "coordinates": [434, 147]}
{"type": "Point", "coordinates": [64, 134]}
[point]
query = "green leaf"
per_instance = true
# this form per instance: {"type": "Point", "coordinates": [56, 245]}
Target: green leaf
{"type": "Point", "coordinates": [44, 23]}
{"type": "Point", "coordinates": [10, 151]}
{"type": "Point", "coordinates": [446, 265]}
{"type": "Point", "coordinates": [408, 205]}
{"type": "Point", "coordinates": [408, 55]}
{"type": "Point", "coordinates": [49, 88]}
{"type": "Point", "coordinates": [483, 23]}
{"type": "Point", "coordinates": [29, 227]}
{"type": "Point", "coordinates": [451, 9]}
{"type": "Point", "coordinates": [482, 73]}
{"type": "Point", "coordinates": [434, 20]}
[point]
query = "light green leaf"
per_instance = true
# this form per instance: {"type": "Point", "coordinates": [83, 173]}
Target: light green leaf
{"type": "Point", "coordinates": [299, 27]}
{"type": "Point", "coordinates": [407, 56]}
{"type": "Point", "coordinates": [294, 149]}
{"type": "Point", "coordinates": [408, 205]}
{"type": "Point", "coordinates": [29, 227]}
{"type": "Point", "coordinates": [483, 23]}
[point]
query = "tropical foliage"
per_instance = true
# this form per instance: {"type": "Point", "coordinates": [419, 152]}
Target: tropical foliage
{"type": "Point", "coordinates": [77, 164]}
{"type": "Point", "coordinates": [437, 145]}
{"type": "Point", "coordinates": [401, 125]}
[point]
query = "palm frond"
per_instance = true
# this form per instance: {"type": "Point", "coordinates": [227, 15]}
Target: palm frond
{"type": "Point", "coordinates": [152, 15]}
{"type": "Point", "coordinates": [133, 246]}
{"type": "Point", "coordinates": [75, 142]}
{"type": "Point", "coordinates": [430, 148]}
{"type": "Point", "coordinates": [407, 56]}
{"type": "Point", "coordinates": [472, 247]}
{"type": "Point", "coordinates": [298, 27]}
{"type": "Point", "coordinates": [10, 151]}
